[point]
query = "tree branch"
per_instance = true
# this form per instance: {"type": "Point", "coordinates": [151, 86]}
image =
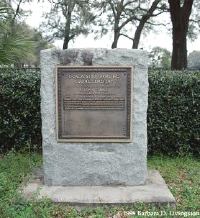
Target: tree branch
{"type": "Point", "coordinates": [174, 8]}
{"type": "Point", "coordinates": [129, 2]}
{"type": "Point", "coordinates": [187, 9]}
{"type": "Point", "coordinates": [127, 21]}
{"type": "Point", "coordinates": [156, 24]}
{"type": "Point", "coordinates": [122, 34]}
{"type": "Point", "coordinates": [195, 21]}
{"type": "Point", "coordinates": [16, 12]}
{"type": "Point", "coordinates": [155, 15]}
{"type": "Point", "coordinates": [112, 8]}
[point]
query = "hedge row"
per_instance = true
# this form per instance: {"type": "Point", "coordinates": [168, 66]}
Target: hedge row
{"type": "Point", "coordinates": [173, 113]}
{"type": "Point", "coordinates": [20, 121]}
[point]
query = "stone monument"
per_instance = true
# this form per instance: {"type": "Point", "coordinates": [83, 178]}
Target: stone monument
{"type": "Point", "coordinates": [94, 127]}
{"type": "Point", "coordinates": [95, 161]}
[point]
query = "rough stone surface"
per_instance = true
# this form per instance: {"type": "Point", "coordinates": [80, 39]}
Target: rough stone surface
{"type": "Point", "coordinates": [154, 191]}
{"type": "Point", "coordinates": [80, 164]}
{"type": "Point", "coordinates": [194, 60]}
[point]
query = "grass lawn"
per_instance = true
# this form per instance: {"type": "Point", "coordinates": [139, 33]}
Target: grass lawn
{"type": "Point", "coordinates": [182, 175]}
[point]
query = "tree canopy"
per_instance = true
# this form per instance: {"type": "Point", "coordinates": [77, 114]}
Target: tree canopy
{"type": "Point", "coordinates": [131, 13]}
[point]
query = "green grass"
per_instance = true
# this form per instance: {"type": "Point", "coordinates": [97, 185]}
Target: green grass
{"type": "Point", "coordinates": [182, 175]}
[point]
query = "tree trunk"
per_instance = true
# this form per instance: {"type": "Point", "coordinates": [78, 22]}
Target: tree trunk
{"type": "Point", "coordinates": [142, 23]}
{"type": "Point", "coordinates": [180, 22]}
{"type": "Point", "coordinates": [179, 53]}
{"type": "Point", "coordinates": [137, 35]}
{"type": "Point", "coordinates": [116, 38]}
{"type": "Point", "coordinates": [67, 31]}
{"type": "Point", "coordinates": [68, 17]}
{"type": "Point", "coordinates": [66, 42]}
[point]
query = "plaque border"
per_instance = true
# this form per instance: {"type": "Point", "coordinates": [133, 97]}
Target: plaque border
{"type": "Point", "coordinates": [97, 139]}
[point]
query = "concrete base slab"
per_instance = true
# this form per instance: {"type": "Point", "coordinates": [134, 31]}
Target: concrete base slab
{"type": "Point", "coordinates": [154, 191]}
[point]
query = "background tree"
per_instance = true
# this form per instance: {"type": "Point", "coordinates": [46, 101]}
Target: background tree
{"type": "Point", "coordinates": [116, 16]}
{"type": "Point", "coordinates": [180, 11]}
{"type": "Point", "coordinates": [145, 19]}
{"type": "Point", "coordinates": [32, 58]}
{"type": "Point", "coordinates": [121, 13]}
{"type": "Point", "coordinates": [160, 58]}
{"type": "Point", "coordinates": [40, 43]}
{"type": "Point", "coordinates": [67, 19]}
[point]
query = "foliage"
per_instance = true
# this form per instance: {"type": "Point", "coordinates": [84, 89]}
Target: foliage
{"type": "Point", "coordinates": [21, 48]}
{"type": "Point", "coordinates": [40, 44]}
{"type": "Point", "coordinates": [160, 58]}
{"type": "Point", "coordinates": [13, 46]}
{"type": "Point", "coordinates": [19, 108]}
{"type": "Point", "coordinates": [19, 44]}
{"type": "Point", "coordinates": [32, 57]}
{"type": "Point", "coordinates": [181, 174]}
{"type": "Point", "coordinates": [173, 112]}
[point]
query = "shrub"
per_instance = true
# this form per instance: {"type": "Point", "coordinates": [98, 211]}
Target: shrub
{"type": "Point", "coordinates": [173, 113]}
{"type": "Point", "coordinates": [20, 120]}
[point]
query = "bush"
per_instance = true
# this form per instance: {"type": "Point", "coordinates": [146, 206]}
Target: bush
{"type": "Point", "coordinates": [173, 113]}
{"type": "Point", "coordinates": [20, 121]}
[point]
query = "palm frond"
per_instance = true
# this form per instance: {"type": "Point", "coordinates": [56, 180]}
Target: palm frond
{"type": "Point", "coordinates": [14, 48]}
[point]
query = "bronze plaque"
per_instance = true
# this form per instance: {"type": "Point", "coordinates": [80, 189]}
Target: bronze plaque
{"type": "Point", "coordinates": [94, 104]}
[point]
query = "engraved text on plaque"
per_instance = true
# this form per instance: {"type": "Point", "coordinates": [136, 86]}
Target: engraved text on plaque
{"type": "Point", "coordinates": [94, 104]}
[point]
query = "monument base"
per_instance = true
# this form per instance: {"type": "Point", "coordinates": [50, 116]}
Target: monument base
{"type": "Point", "coordinates": [154, 191]}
